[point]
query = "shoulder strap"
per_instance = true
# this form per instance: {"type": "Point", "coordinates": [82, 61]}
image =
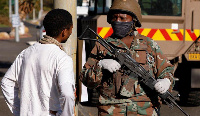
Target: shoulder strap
{"type": "Point", "coordinates": [140, 42]}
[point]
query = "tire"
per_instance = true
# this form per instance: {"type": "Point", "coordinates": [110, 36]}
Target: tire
{"type": "Point", "coordinates": [93, 97]}
{"type": "Point", "coordinates": [191, 98]}
{"type": "Point", "coordinates": [194, 98]}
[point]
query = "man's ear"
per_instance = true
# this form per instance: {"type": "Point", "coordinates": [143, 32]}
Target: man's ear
{"type": "Point", "coordinates": [63, 32]}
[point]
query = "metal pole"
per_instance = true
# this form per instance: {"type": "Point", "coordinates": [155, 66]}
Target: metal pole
{"type": "Point", "coordinates": [10, 10]}
{"type": "Point", "coordinates": [17, 28]}
{"type": "Point", "coordinates": [71, 44]}
{"type": "Point", "coordinates": [33, 13]}
{"type": "Point", "coordinates": [41, 5]}
{"type": "Point", "coordinates": [41, 9]}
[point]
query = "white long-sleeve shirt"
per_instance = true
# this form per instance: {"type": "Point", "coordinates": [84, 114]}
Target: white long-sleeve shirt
{"type": "Point", "coordinates": [43, 77]}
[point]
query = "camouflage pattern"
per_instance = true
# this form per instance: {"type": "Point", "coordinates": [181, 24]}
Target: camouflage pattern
{"type": "Point", "coordinates": [119, 87]}
{"type": "Point", "coordinates": [130, 109]}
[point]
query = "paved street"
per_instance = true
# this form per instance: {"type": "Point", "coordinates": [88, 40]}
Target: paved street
{"type": "Point", "coordinates": [9, 49]}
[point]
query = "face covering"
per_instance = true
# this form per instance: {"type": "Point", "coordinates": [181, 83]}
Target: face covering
{"type": "Point", "coordinates": [121, 29]}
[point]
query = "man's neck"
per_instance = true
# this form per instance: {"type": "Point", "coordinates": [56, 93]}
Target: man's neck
{"type": "Point", "coordinates": [128, 40]}
{"type": "Point", "coordinates": [58, 39]}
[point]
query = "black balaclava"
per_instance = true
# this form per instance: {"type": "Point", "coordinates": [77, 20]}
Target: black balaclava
{"type": "Point", "coordinates": [122, 29]}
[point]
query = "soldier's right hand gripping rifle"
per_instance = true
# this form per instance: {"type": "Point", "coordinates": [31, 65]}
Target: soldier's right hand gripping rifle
{"type": "Point", "coordinates": [146, 78]}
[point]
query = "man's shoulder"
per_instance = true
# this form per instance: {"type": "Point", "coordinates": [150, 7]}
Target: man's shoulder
{"type": "Point", "coordinates": [140, 36]}
{"type": "Point", "coordinates": [110, 39]}
{"type": "Point", "coordinates": [145, 39]}
{"type": "Point", "coordinates": [49, 49]}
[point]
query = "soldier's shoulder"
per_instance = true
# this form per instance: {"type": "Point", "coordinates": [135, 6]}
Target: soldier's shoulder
{"type": "Point", "coordinates": [139, 36]}
{"type": "Point", "coordinates": [110, 39]}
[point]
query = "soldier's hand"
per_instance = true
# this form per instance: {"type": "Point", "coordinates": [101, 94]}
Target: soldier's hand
{"type": "Point", "coordinates": [162, 85]}
{"type": "Point", "coordinates": [109, 64]}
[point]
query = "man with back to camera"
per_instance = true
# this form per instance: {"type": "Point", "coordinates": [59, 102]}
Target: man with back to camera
{"type": "Point", "coordinates": [122, 94]}
{"type": "Point", "coordinates": [43, 73]}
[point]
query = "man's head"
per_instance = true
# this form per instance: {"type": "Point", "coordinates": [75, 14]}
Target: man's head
{"type": "Point", "coordinates": [129, 7]}
{"type": "Point", "coordinates": [124, 16]}
{"type": "Point", "coordinates": [58, 24]}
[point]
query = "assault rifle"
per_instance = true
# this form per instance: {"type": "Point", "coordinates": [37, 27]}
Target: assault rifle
{"type": "Point", "coordinates": [146, 78]}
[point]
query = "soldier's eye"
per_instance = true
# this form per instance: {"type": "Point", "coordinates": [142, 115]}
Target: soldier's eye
{"type": "Point", "coordinates": [123, 18]}
{"type": "Point", "coordinates": [114, 17]}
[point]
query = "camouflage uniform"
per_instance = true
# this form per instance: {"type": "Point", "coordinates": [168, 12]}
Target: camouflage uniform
{"type": "Point", "coordinates": [121, 93]}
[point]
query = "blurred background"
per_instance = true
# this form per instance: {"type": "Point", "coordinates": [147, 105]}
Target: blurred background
{"type": "Point", "coordinates": [173, 24]}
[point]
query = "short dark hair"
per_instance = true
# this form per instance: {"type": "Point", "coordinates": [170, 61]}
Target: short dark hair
{"type": "Point", "coordinates": [56, 21]}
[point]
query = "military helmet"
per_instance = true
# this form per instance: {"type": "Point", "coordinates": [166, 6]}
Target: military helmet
{"type": "Point", "coordinates": [130, 7]}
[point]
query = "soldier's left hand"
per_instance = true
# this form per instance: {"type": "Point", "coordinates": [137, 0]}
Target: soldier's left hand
{"type": "Point", "coordinates": [162, 85]}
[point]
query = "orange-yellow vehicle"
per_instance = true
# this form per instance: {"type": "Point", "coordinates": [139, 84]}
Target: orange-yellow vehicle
{"type": "Point", "coordinates": [174, 25]}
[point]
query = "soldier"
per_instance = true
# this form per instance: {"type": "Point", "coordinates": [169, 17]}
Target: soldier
{"type": "Point", "coordinates": [120, 93]}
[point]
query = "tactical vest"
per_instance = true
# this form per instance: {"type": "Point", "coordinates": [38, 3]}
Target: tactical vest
{"type": "Point", "coordinates": [143, 56]}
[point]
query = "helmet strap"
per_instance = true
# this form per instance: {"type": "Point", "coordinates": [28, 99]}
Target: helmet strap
{"type": "Point", "coordinates": [131, 32]}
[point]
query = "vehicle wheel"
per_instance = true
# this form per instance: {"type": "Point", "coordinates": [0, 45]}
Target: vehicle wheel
{"type": "Point", "coordinates": [93, 97]}
{"type": "Point", "coordinates": [194, 98]}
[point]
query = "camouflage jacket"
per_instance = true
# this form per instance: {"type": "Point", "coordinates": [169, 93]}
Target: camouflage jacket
{"type": "Point", "coordinates": [118, 87]}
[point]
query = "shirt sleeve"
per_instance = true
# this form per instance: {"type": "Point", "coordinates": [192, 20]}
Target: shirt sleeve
{"type": "Point", "coordinates": [91, 74]}
{"type": "Point", "coordinates": [66, 85]}
{"type": "Point", "coordinates": [9, 85]}
{"type": "Point", "coordinates": [164, 68]}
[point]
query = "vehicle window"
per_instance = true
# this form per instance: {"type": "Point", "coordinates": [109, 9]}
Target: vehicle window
{"type": "Point", "coordinates": [99, 6]}
{"type": "Point", "coordinates": [161, 7]}
{"type": "Point", "coordinates": [79, 2]}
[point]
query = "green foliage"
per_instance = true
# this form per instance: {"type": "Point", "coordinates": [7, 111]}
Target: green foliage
{"type": "Point", "coordinates": [4, 9]}
{"type": "Point", "coordinates": [4, 13]}
{"type": "Point", "coordinates": [48, 5]}
{"type": "Point", "coordinates": [3, 25]}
